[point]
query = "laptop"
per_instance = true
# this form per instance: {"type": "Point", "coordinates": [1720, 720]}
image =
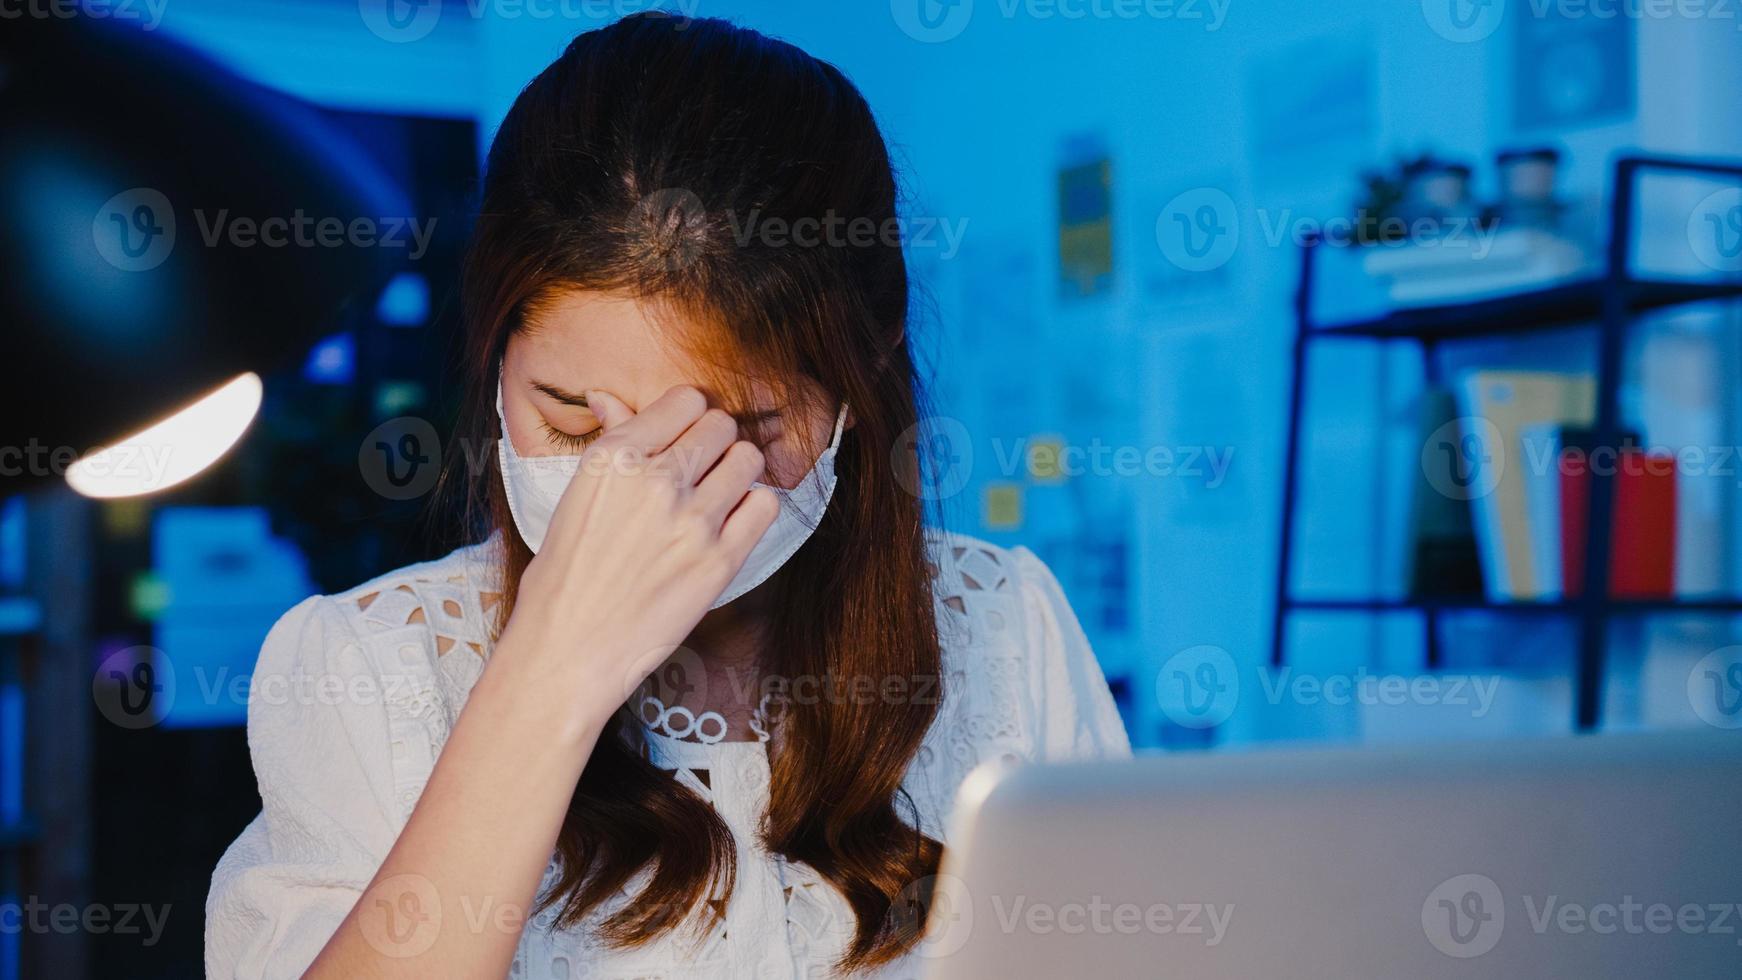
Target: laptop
{"type": "Point", "coordinates": [1609, 856]}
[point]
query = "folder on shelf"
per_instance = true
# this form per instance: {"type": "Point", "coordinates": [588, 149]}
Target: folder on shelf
{"type": "Point", "coordinates": [1498, 407]}
{"type": "Point", "coordinates": [1541, 443]}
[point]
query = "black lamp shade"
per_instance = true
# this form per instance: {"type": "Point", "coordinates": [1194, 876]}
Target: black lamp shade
{"type": "Point", "coordinates": [164, 226]}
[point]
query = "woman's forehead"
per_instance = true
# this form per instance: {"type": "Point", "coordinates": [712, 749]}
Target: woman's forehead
{"type": "Point", "coordinates": [630, 348]}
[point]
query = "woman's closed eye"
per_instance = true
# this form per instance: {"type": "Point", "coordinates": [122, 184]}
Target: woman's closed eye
{"type": "Point", "coordinates": [760, 428]}
{"type": "Point", "coordinates": [568, 440]}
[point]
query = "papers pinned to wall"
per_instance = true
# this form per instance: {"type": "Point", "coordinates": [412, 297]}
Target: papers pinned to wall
{"type": "Point", "coordinates": [1085, 236]}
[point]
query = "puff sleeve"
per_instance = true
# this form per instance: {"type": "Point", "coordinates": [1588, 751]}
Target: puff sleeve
{"type": "Point", "coordinates": [318, 737]}
{"type": "Point", "coordinates": [1077, 716]}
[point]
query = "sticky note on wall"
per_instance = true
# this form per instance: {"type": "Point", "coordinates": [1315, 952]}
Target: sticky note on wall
{"type": "Point", "coordinates": [1001, 506]}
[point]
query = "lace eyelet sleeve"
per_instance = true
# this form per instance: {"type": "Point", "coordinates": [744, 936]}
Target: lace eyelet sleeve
{"type": "Point", "coordinates": [318, 735]}
{"type": "Point", "coordinates": [1077, 716]}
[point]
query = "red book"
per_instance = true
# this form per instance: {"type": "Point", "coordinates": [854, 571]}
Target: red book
{"type": "Point", "coordinates": [1642, 542]}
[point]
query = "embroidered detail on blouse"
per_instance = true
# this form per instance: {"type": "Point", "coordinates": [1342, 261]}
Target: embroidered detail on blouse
{"type": "Point", "coordinates": [709, 727]}
{"type": "Point", "coordinates": [762, 720]}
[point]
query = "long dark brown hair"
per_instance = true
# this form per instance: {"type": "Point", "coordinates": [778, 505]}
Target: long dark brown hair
{"type": "Point", "coordinates": [669, 160]}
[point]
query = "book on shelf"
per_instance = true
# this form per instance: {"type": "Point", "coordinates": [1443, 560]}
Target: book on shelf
{"type": "Point", "coordinates": [12, 756]}
{"type": "Point", "coordinates": [1642, 535]}
{"type": "Point", "coordinates": [1440, 558]}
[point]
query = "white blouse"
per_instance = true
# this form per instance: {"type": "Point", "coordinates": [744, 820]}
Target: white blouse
{"type": "Point", "coordinates": [354, 696]}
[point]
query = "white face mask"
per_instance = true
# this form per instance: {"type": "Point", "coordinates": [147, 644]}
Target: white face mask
{"type": "Point", "coordinates": [534, 485]}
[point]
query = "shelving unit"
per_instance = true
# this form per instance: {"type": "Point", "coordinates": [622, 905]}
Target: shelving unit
{"type": "Point", "coordinates": [1610, 301]}
{"type": "Point", "coordinates": [46, 847]}
{"type": "Point", "coordinates": [19, 832]}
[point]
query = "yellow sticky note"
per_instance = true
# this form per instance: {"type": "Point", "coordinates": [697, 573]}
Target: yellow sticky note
{"type": "Point", "coordinates": [1001, 506]}
{"type": "Point", "coordinates": [125, 517]}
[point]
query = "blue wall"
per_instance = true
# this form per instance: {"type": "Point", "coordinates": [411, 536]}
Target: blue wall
{"type": "Point", "coordinates": [1276, 106]}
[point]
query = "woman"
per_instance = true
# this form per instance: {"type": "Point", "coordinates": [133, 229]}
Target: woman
{"type": "Point", "coordinates": [709, 728]}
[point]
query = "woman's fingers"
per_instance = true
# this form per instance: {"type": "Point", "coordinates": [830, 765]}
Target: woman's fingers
{"type": "Point", "coordinates": [694, 453]}
{"type": "Point", "coordinates": [658, 424]}
{"type": "Point", "coordinates": [724, 487]}
{"type": "Point", "coordinates": [608, 409]}
{"type": "Point", "coordinates": [745, 525]}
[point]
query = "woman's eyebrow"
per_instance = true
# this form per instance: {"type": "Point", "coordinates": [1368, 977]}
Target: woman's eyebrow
{"type": "Point", "coordinates": [756, 417]}
{"type": "Point", "coordinates": [566, 397]}
{"type": "Point", "coordinates": [579, 399]}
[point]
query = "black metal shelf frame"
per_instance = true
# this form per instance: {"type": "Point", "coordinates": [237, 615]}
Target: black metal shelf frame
{"type": "Point", "coordinates": [1609, 301]}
